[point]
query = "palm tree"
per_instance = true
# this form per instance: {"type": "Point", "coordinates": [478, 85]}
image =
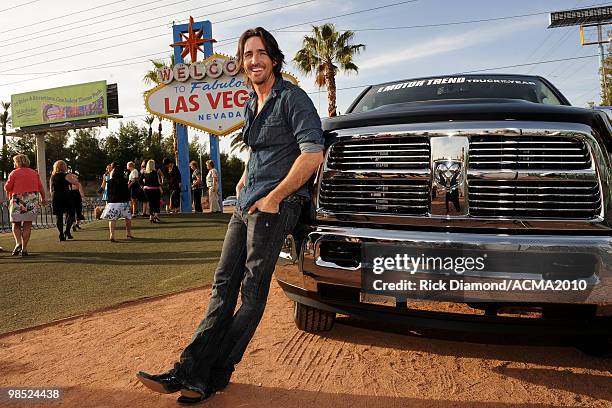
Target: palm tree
{"type": "Point", "coordinates": [151, 78]}
{"type": "Point", "coordinates": [159, 131]}
{"type": "Point", "coordinates": [149, 121]}
{"type": "Point", "coordinates": [5, 119]}
{"type": "Point", "coordinates": [324, 53]}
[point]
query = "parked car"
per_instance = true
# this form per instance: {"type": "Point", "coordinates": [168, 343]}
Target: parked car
{"type": "Point", "coordinates": [498, 167]}
{"type": "Point", "coordinates": [230, 201]}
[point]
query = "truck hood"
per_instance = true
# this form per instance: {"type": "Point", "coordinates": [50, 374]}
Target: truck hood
{"type": "Point", "coordinates": [472, 110]}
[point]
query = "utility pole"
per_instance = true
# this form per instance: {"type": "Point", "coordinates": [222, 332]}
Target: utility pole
{"type": "Point", "coordinates": [587, 18]}
{"type": "Point", "coordinates": [602, 62]}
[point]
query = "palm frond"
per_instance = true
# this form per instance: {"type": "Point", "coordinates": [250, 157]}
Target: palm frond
{"type": "Point", "coordinates": [326, 52]}
{"type": "Point", "coordinates": [151, 77]}
{"type": "Point", "coordinates": [237, 144]}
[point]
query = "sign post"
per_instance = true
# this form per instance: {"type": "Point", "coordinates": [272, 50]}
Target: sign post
{"type": "Point", "coordinates": [215, 156]}
{"type": "Point", "coordinates": [41, 160]}
{"type": "Point", "coordinates": [191, 44]}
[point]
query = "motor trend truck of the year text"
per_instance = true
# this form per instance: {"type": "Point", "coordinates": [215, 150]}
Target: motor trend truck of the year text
{"type": "Point", "coordinates": [496, 174]}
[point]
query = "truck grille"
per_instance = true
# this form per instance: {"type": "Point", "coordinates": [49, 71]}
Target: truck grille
{"type": "Point", "coordinates": [375, 195]}
{"type": "Point", "coordinates": [527, 153]}
{"type": "Point", "coordinates": [506, 176]}
{"type": "Point", "coordinates": [381, 153]}
{"type": "Point", "coordinates": [541, 199]}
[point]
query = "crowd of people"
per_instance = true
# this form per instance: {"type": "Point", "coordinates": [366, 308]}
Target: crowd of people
{"type": "Point", "coordinates": [125, 191]}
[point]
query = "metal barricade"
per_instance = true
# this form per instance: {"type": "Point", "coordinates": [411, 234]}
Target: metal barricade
{"type": "Point", "coordinates": [5, 225]}
{"type": "Point", "coordinates": [45, 218]}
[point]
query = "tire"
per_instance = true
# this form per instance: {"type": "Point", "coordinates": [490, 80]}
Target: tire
{"type": "Point", "coordinates": [600, 347]}
{"type": "Point", "coordinates": [312, 320]}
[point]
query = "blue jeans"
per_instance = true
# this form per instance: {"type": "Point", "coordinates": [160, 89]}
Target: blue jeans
{"type": "Point", "coordinates": [250, 251]}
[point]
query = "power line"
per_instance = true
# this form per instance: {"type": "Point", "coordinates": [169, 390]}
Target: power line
{"type": "Point", "coordinates": [471, 72]}
{"type": "Point", "coordinates": [221, 43]}
{"type": "Point", "coordinates": [284, 28]}
{"type": "Point", "coordinates": [550, 33]}
{"type": "Point", "coordinates": [56, 32]}
{"type": "Point", "coordinates": [19, 5]}
{"type": "Point", "coordinates": [575, 71]}
{"type": "Point", "coordinates": [126, 25]}
{"type": "Point", "coordinates": [532, 63]}
{"type": "Point", "coordinates": [450, 23]}
{"type": "Point", "coordinates": [156, 36]}
{"type": "Point", "coordinates": [63, 41]}
{"type": "Point", "coordinates": [229, 41]}
{"type": "Point", "coordinates": [561, 66]}
{"type": "Point", "coordinates": [338, 89]}
{"type": "Point", "coordinates": [563, 37]}
{"type": "Point", "coordinates": [484, 20]}
{"type": "Point", "coordinates": [597, 89]}
{"type": "Point", "coordinates": [553, 48]}
{"type": "Point", "coordinates": [65, 15]}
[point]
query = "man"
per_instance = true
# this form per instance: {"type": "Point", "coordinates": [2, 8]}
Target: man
{"type": "Point", "coordinates": [196, 186]}
{"type": "Point", "coordinates": [283, 131]}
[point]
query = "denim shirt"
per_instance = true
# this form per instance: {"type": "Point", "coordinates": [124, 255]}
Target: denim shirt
{"type": "Point", "coordinates": [287, 125]}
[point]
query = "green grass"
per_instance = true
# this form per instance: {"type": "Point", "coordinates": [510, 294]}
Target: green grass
{"type": "Point", "coordinates": [61, 279]}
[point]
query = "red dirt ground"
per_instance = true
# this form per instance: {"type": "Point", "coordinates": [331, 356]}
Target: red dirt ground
{"type": "Point", "coordinates": [94, 359]}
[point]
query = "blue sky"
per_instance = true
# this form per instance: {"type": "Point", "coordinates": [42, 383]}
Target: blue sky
{"type": "Point", "coordinates": [32, 60]}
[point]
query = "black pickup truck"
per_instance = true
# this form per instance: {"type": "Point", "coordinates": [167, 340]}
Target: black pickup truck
{"type": "Point", "coordinates": [499, 169]}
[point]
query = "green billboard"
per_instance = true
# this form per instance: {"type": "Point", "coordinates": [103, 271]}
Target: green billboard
{"type": "Point", "coordinates": [64, 104]}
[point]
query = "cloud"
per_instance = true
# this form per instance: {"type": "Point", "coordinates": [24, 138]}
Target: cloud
{"type": "Point", "coordinates": [447, 43]}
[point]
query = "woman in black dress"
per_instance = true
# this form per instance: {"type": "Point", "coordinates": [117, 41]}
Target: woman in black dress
{"type": "Point", "coordinates": [174, 184]}
{"type": "Point", "coordinates": [61, 198]}
{"type": "Point", "coordinates": [77, 200]}
{"type": "Point", "coordinates": [152, 188]}
{"type": "Point", "coordinates": [142, 197]}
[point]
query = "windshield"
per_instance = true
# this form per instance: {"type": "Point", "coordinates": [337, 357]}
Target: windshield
{"type": "Point", "coordinates": [457, 87]}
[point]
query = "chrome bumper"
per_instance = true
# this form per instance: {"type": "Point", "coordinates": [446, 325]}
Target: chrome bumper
{"type": "Point", "coordinates": [314, 270]}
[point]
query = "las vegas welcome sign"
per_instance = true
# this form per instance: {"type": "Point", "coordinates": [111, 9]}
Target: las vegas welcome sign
{"type": "Point", "coordinates": [209, 95]}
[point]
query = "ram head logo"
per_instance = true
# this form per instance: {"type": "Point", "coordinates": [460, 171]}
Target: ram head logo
{"type": "Point", "coordinates": [447, 174]}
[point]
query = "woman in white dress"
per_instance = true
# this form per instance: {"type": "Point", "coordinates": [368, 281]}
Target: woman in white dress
{"type": "Point", "coordinates": [118, 205]}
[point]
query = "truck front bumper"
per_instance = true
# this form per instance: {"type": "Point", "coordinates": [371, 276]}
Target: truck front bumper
{"type": "Point", "coordinates": [341, 266]}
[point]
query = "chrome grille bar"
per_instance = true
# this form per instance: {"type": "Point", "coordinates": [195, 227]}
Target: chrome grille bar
{"type": "Point", "coordinates": [527, 152]}
{"type": "Point", "coordinates": [405, 196]}
{"type": "Point", "coordinates": [363, 154]}
{"type": "Point", "coordinates": [568, 199]}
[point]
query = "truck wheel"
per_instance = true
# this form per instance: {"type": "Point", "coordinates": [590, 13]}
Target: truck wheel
{"type": "Point", "coordinates": [596, 346]}
{"type": "Point", "coordinates": [313, 320]}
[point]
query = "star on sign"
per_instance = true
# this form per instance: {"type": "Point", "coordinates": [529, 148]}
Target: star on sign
{"type": "Point", "coordinates": [192, 41]}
